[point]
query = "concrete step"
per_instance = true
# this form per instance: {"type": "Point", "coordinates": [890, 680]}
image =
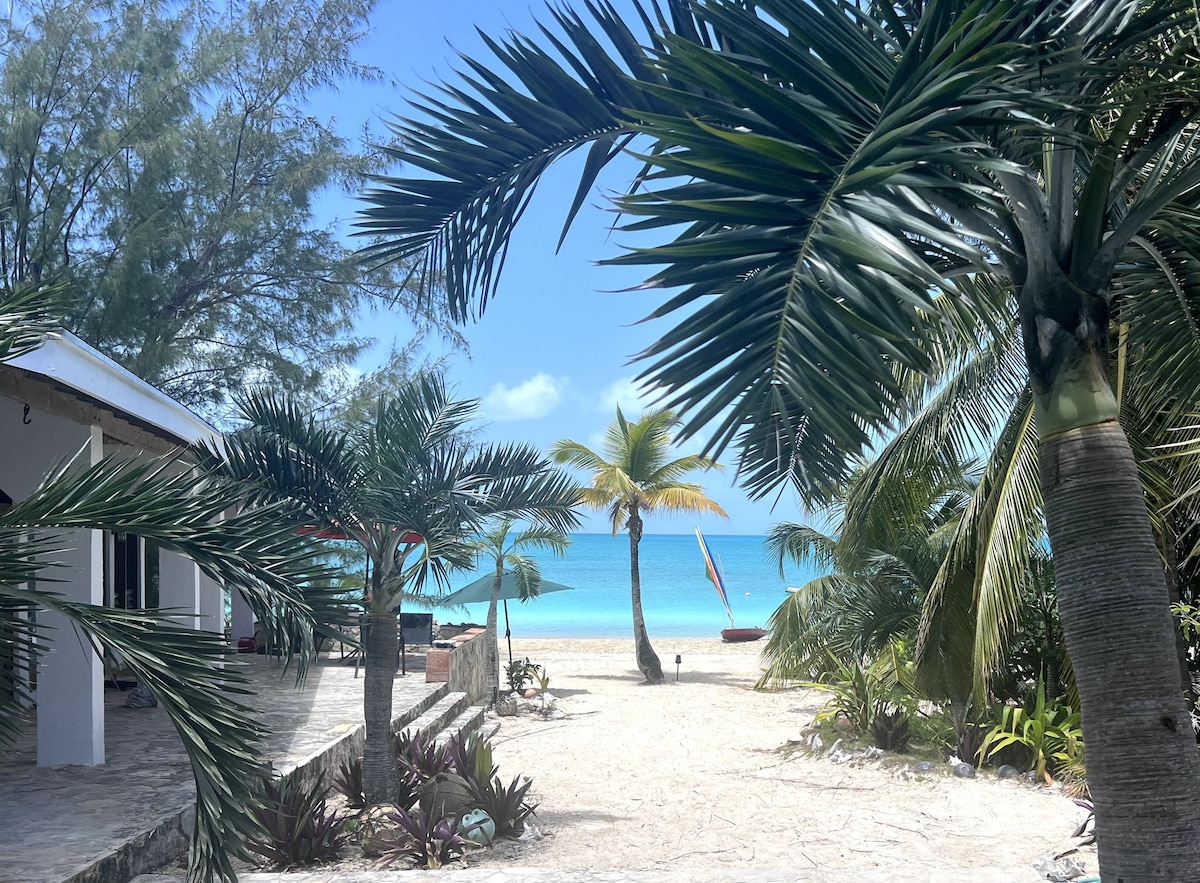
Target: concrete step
{"type": "Point", "coordinates": [419, 708]}
{"type": "Point", "coordinates": [437, 716]}
{"type": "Point", "coordinates": [467, 722]}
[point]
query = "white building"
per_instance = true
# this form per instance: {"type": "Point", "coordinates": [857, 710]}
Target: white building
{"type": "Point", "coordinates": [66, 400]}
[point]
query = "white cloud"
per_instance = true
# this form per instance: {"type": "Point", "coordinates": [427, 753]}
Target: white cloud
{"type": "Point", "coordinates": [627, 394]}
{"type": "Point", "coordinates": [528, 400]}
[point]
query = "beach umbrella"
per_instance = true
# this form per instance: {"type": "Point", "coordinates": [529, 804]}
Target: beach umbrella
{"type": "Point", "coordinates": [480, 591]}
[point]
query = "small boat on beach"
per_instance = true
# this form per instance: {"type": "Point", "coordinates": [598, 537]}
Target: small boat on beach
{"type": "Point", "coordinates": [733, 634]}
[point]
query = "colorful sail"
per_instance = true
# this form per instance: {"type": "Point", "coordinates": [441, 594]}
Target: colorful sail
{"type": "Point", "coordinates": [715, 576]}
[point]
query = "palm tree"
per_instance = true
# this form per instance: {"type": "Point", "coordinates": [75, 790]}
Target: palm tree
{"type": "Point", "coordinates": [410, 488]}
{"type": "Point", "coordinates": [635, 475]}
{"type": "Point", "coordinates": [495, 545]}
{"type": "Point", "coordinates": [876, 591]}
{"type": "Point", "coordinates": [834, 176]}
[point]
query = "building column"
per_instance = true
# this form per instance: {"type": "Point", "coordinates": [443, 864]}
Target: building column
{"type": "Point", "coordinates": [179, 589]}
{"type": "Point", "coordinates": [241, 617]}
{"type": "Point", "coordinates": [70, 690]}
{"type": "Point", "coordinates": [212, 604]}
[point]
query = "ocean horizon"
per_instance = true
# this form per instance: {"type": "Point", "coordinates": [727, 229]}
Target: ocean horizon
{"type": "Point", "coordinates": [678, 600]}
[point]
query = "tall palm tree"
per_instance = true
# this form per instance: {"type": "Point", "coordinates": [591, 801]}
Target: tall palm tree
{"type": "Point", "coordinates": [833, 175]}
{"type": "Point", "coordinates": [634, 475]}
{"type": "Point", "coordinates": [495, 545]}
{"type": "Point", "coordinates": [410, 487]}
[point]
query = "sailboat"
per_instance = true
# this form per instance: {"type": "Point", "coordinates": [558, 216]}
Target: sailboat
{"type": "Point", "coordinates": [733, 633]}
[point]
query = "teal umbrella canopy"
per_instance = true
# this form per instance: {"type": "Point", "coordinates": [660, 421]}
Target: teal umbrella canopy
{"type": "Point", "coordinates": [480, 591]}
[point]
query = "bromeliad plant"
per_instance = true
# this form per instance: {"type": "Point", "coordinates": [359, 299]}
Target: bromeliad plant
{"type": "Point", "coordinates": [427, 841]}
{"type": "Point", "coordinates": [1051, 733]}
{"type": "Point", "coordinates": [298, 827]}
{"type": "Point", "coordinates": [505, 804]}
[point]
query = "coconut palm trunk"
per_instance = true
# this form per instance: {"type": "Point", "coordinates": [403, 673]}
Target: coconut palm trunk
{"type": "Point", "coordinates": [647, 660]}
{"type": "Point", "coordinates": [381, 781]}
{"type": "Point", "coordinates": [1112, 597]}
{"type": "Point", "coordinates": [493, 634]}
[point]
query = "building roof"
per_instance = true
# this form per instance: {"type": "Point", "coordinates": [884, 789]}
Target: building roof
{"type": "Point", "coordinates": [67, 361]}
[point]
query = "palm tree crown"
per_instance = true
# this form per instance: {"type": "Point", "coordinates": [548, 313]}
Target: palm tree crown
{"type": "Point", "coordinates": [635, 472]}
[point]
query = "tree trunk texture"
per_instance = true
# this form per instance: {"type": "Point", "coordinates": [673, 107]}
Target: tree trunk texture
{"type": "Point", "coordinates": [493, 636]}
{"type": "Point", "coordinates": [1143, 765]}
{"type": "Point", "coordinates": [1167, 544]}
{"type": "Point", "coordinates": [647, 660]}
{"type": "Point", "coordinates": [381, 778]}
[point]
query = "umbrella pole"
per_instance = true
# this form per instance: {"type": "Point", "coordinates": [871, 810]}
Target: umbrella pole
{"type": "Point", "coordinates": [507, 631]}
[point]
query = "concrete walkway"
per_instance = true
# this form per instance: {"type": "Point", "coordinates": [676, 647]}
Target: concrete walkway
{"type": "Point", "coordinates": [56, 822]}
{"type": "Point", "coordinates": [586, 875]}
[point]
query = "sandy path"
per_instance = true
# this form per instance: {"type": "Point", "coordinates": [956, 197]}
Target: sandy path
{"type": "Point", "coordinates": [690, 775]}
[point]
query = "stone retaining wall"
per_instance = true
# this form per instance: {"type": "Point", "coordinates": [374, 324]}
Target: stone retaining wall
{"type": "Point", "coordinates": [463, 666]}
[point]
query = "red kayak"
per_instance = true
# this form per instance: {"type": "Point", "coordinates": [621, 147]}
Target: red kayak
{"type": "Point", "coordinates": [733, 636]}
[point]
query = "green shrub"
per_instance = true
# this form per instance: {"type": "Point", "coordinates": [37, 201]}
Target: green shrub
{"type": "Point", "coordinates": [859, 694]}
{"type": "Point", "coordinates": [1052, 734]}
{"type": "Point", "coordinates": [520, 673]}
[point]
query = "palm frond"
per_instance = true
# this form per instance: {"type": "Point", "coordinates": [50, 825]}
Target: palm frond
{"type": "Point", "coordinates": [195, 679]}
{"type": "Point", "coordinates": [27, 316]}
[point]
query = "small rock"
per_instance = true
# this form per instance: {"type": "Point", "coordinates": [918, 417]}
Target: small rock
{"type": "Point", "coordinates": [1059, 871]}
{"type": "Point", "coordinates": [1007, 771]}
{"type": "Point", "coordinates": [923, 766]}
{"type": "Point", "coordinates": [531, 832]}
{"type": "Point", "coordinates": [873, 753]}
{"type": "Point", "coordinates": [530, 693]}
{"type": "Point", "coordinates": [964, 771]}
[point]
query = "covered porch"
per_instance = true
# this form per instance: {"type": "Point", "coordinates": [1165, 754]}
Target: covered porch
{"type": "Point", "coordinates": [111, 822]}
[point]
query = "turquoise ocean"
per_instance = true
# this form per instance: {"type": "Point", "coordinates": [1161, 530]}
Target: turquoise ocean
{"type": "Point", "coordinates": [677, 599]}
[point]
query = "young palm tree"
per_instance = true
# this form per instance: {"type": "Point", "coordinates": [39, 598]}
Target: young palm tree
{"type": "Point", "coordinates": [834, 176]}
{"type": "Point", "coordinates": [635, 475]}
{"type": "Point", "coordinates": [410, 488]}
{"type": "Point", "coordinates": [494, 544]}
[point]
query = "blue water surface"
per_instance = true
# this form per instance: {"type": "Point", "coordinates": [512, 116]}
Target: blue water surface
{"type": "Point", "coordinates": [677, 598]}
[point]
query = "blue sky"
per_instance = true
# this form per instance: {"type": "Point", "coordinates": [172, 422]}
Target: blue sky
{"type": "Point", "coordinates": [551, 356]}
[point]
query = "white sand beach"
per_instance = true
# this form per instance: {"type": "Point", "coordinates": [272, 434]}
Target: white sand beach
{"type": "Point", "coordinates": [697, 774]}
